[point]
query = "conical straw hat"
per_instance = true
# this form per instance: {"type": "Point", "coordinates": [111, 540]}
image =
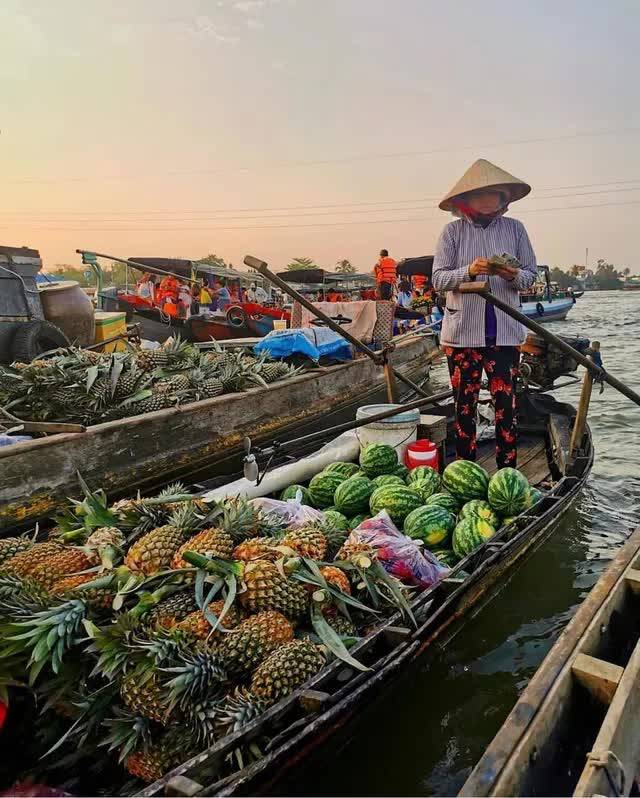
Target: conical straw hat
{"type": "Point", "coordinates": [484, 174]}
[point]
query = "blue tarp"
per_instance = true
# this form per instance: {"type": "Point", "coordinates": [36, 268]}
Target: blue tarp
{"type": "Point", "coordinates": [313, 343]}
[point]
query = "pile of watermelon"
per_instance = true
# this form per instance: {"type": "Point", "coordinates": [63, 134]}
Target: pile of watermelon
{"type": "Point", "coordinates": [452, 515]}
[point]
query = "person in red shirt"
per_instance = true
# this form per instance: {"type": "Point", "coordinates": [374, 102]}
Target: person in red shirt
{"type": "Point", "coordinates": [385, 272]}
{"type": "Point", "coordinates": [332, 295]}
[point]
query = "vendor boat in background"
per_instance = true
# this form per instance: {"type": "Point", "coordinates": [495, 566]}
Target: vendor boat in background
{"type": "Point", "coordinates": [545, 301]}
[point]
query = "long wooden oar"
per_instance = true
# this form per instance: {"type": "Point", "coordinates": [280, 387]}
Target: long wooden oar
{"type": "Point", "coordinates": [380, 358]}
{"type": "Point", "coordinates": [482, 288]}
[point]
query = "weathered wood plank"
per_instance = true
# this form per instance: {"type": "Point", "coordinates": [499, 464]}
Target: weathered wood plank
{"type": "Point", "coordinates": [599, 677]}
{"type": "Point", "coordinates": [633, 579]}
{"type": "Point", "coordinates": [618, 734]}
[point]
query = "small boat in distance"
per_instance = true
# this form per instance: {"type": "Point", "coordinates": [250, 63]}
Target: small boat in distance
{"type": "Point", "coordinates": [545, 301]}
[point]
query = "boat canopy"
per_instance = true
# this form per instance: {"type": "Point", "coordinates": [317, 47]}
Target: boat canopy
{"type": "Point", "coordinates": [185, 268]}
{"type": "Point", "coordinates": [317, 277]}
{"type": "Point", "coordinates": [412, 266]}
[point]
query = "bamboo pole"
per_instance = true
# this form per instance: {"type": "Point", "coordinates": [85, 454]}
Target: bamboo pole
{"type": "Point", "coordinates": [583, 408]}
{"type": "Point", "coordinates": [380, 358]}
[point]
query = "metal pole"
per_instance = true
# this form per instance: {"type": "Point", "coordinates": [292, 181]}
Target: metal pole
{"type": "Point", "coordinates": [133, 263]}
{"type": "Point", "coordinates": [378, 358]}
{"type": "Point", "coordinates": [481, 288]}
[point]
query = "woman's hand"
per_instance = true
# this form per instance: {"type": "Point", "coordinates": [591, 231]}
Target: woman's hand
{"type": "Point", "coordinates": [479, 266]}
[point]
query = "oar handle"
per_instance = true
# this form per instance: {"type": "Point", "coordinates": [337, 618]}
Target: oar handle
{"type": "Point", "coordinates": [477, 287]}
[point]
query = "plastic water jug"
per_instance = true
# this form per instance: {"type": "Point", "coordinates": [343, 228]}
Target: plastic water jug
{"type": "Point", "coordinates": [422, 453]}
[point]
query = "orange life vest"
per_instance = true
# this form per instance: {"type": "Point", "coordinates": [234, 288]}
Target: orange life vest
{"type": "Point", "coordinates": [419, 280]}
{"type": "Point", "coordinates": [386, 271]}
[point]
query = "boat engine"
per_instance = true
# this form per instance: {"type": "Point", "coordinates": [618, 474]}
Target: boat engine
{"type": "Point", "coordinates": [542, 363]}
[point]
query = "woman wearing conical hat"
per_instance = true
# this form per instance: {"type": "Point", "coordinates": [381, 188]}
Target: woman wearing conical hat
{"type": "Point", "coordinates": [475, 335]}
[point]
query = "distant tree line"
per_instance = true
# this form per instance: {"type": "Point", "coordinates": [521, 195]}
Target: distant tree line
{"type": "Point", "coordinates": [605, 277]}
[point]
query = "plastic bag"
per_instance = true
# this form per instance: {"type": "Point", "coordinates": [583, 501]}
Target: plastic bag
{"type": "Point", "coordinates": [290, 514]}
{"type": "Point", "coordinates": [400, 555]}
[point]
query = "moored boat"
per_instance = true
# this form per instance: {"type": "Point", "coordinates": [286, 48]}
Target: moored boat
{"type": "Point", "coordinates": [574, 729]}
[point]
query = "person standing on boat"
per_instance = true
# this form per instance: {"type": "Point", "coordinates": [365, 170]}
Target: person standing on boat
{"type": "Point", "coordinates": [476, 336]}
{"type": "Point", "coordinates": [385, 273]}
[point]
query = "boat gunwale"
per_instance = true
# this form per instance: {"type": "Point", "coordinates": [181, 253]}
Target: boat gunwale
{"type": "Point", "coordinates": [203, 404]}
{"type": "Point", "coordinates": [411, 647]}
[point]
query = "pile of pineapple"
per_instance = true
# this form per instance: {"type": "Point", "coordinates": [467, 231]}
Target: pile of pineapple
{"type": "Point", "coordinates": [79, 385]}
{"type": "Point", "coordinates": [149, 629]}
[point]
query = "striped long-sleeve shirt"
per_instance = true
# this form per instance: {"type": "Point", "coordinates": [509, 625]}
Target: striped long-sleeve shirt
{"type": "Point", "coordinates": [460, 243]}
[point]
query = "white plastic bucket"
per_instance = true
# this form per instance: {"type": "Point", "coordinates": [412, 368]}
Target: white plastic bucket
{"type": "Point", "coordinates": [397, 431]}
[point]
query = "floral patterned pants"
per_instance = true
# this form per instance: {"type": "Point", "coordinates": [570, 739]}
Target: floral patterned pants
{"type": "Point", "coordinates": [465, 370]}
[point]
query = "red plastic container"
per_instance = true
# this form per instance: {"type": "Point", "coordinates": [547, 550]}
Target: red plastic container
{"type": "Point", "coordinates": [421, 453]}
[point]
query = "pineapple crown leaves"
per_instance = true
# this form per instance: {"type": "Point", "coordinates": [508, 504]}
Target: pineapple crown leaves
{"type": "Point", "coordinates": [127, 732]}
{"type": "Point", "coordinates": [186, 517]}
{"type": "Point", "coordinates": [161, 648]}
{"type": "Point", "coordinates": [110, 645]}
{"type": "Point", "coordinates": [238, 709]}
{"type": "Point", "coordinates": [49, 634]}
{"type": "Point", "coordinates": [199, 675]}
{"type": "Point", "coordinates": [381, 586]}
{"type": "Point", "coordinates": [310, 574]}
{"type": "Point", "coordinates": [203, 718]}
{"type": "Point", "coordinates": [332, 640]}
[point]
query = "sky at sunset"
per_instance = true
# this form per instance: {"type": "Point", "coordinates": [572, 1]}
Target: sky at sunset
{"type": "Point", "coordinates": [319, 128]}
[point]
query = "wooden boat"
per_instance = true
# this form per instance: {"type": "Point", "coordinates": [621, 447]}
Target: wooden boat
{"type": "Point", "coordinates": [144, 451]}
{"type": "Point", "coordinates": [574, 730]}
{"type": "Point", "coordinates": [298, 725]}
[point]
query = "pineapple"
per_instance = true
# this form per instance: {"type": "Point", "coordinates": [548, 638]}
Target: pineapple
{"type": "Point", "coordinates": [106, 536]}
{"type": "Point", "coordinates": [212, 542]}
{"type": "Point", "coordinates": [238, 709]}
{"type": "Point", "coordinates": [171, 610]}
{"type": "Point", "coordinates": [154, 551]}
{"type": "Point", "coordinates": [285, 669]}
{"type": "Point", "coordinates": [211, 388]}
{"type": "Point", "coordinates": [307, 541]}
{"type": "Point", "coordinates": [196, 624]}
{"type": "Point", "coordinates": [334, 576]}
{"type": "Point", "coordinates": [335, 539]}
{"type": "Point", "coordinates": [127, 384]}
{"type": "Point", "coordinates": [100, 598]}
{"type": "Point", "coordinates": [270, 372]}
{"type": "Point", "coordinates": [101, 392]}
{"type": "Point", "coordinates": [253, 640]}
{"type": "Point", "coordinates": [150, 359]}
{"type": "Point", "coordinates": [145, 696]}
{"type": "Point", "coordinates": [266, 588]}
{"type": "Point", "coordinates": [257, 549]}
{"type": "Point", "coordinates": [356, 552]}
{"type": "Point", "coordinates": [179, 383]}
{"type": "Point", "coordinates": [342, 625]}
{"type": "Point", "coordinates": [239, 518]}
{"type": "Point", "coordinates": [198, 675]}
{"type": "Point", "coordinates": [26, 562]}
{"type": "Point", "coordinates": [157, 401]}
{"type": "Point", "coordinates": [9, 547]}
{"type": "Point", "coordinates": [67, 561]}
{"type": "Point", "coordinates": [153, 760]}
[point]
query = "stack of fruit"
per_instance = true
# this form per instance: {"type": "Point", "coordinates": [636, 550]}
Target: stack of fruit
{"type": "Point", "coordinates": [78, 385]}
{"type": "Point", "coordinates": [151, 628]}
{"type": "Point", "coordinates": [452, 515]}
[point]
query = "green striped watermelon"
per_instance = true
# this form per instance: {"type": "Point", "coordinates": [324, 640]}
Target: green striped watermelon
{"type": "Point", "coordinates": [352, 496]}
{"type": "Point", "coordinates": [508, 492]}
{"type": "Point", "coordinates": [401, 471]}
{"type": "Point", "coordinates": [345, 469]}
{"type": "Point", "coordinates": [378, 458]}
{"type": "Point", "coordinates": [322, 487]}
{"type": "Point", "coordinates": [446, 557]}
{"type": "Point", "coordinates": [387, 479]}
{"type": "Point", "coordinates": [431, 524]}
{"type": "Point", "coordinates": [292, 490]}
{"type": "Point", "coordinates": [397, 500]}
{"type": "Point", "coordinates": [466, 480]}
{"type": "Point", "coordinates": [445, 500]}
{"type": "Point", "coordinates": [534, 496]}
{"type": "Point", "coordinates": [481, 509]}
{"type": "Point", "coordinates": [470, 533]}
{"type": "Point", "coordinates": [425, 488]}
{"type": "Point", "coordinates": [423, 472]}
{"type": "Point", "coordinates": [357, 520]}
{"type": "Point", "coordinates": [336, 519]}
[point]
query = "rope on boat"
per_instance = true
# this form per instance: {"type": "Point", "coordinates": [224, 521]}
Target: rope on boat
{"type": "Point", "coordinates": [606, 760]}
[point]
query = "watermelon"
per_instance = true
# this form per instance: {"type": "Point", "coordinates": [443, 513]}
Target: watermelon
{"type": "Point", "coordinates": [445, 500]}
{"type": "Point", "coordinates": [322, 487]}
{"type": "Point", "coordinates": [336, 519]}
{"type": "Point", "coordinates": [401, 471]}
{"type": "Point", "coordinates": [425, 487]}
{"type": "Point", "coordinates": [357, 520]}
{"type": "Point", "coordinates": [470, 533]}
{"type": "Point", "coordinates": [292, 490]}
{"type": "Point", "coordinates": [466, 480]}
{"type": "Point", "coordinates": [397, 500]}
{"type": "Point", "coordinates": [534, 496]}
{"type": "Point", "coordinates": [352, 496]}
{"type": "Point", "coordinates": [431, 524]}
{"type": "Point", "coordinates": [446, 557]}
{"type": "Point", "coordinates": [509, 492]}
{"type": "Point", "coordinates": [378, 458]}
{"type": "Point", "coordinates": [387, 479]}
{"type": "Point", "coordinates": [423, 472]}
{"type": "Point", "coordinates": [345, 469]}
{"type": "Point", "coordinates": [481, 509]}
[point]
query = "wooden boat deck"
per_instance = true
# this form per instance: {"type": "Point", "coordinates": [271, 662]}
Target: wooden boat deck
{"type": "Point", "coordinates": [532, 459]}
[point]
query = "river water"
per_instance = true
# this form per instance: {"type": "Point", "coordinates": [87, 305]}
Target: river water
{"type": "Point", "coordinates": [425, 732]}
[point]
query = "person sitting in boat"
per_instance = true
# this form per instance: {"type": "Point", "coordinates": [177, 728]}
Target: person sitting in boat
{"type": "Point", "coordinates": [257, 294]}
{"type": "Point", "coordinates": [223, 295]}
{"type": "Point", "coordinates": [476, 336]}
{"type": "Point", "coordinates": [204, 299]}
{"type": "Point", "coordinates": [169, 306]}
{"type": "Point", "coordinates": [168, 288]}
{"type": "Point", "coordinates": [145, 289]}
{"type": "Point", "coordinates": [404, 294]}
{"type": "Point", "coordinates": [184, 301]}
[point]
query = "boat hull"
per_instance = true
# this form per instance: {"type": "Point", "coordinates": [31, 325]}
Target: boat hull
{"type": "Point", "coordinates": [551, 311]}
{"type": "Point", "coordinates": [144, 451]}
